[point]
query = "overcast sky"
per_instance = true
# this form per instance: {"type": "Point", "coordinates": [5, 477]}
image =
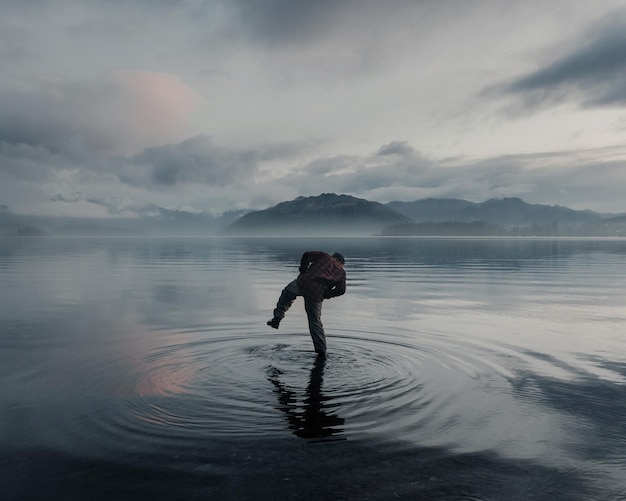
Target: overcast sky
{"type": "Point", "coordinates": [106, 106]}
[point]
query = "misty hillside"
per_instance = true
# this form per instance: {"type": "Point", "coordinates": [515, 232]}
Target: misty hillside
{"type": "Point", "coordinates": [332, 214]}
{"type": "Point", "coordinates": [16, 225]}
{"type": "Point", "coordinates": [155, 222]}
{"type": "Point", "coordinates": [504, 212]}
{"type": "Point", "coordinates": [326, 214]}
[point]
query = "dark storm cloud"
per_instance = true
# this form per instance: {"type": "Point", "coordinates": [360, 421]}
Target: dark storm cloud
{"type": "Point", "coordinates": [84, 130]}
{"type": "Point", "coordinates": [195, 160]}
{"type": "Point", "coordinates": [323, 40]}
{"type": "Point", "coordinates": [34, 119]}
{"type": "Point", "coordinates": [63, 117]}
{"type": "Point", "coordinates": [276, 22]}
{"type": "Point", "coordinates": [47, 128]}
{"type": "Point", "coordinates": [592, 74]}
{"type": "Point", "coordinates": [46, 132]}
{"type": "Point", "coordinates": [200, 160]}
{"type": "Point", "coordinates": [287, 22]}
{"type": "Point", "coordinates": [402, 148]}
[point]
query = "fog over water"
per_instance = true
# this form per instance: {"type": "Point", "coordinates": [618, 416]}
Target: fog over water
{"type": "Point", "coordinates": [477, 368]}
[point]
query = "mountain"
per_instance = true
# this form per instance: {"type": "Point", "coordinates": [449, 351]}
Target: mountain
{"type": "Point", "coordinates": [331, 214]}
{"type": "Point", "coordinates": [503, 212]}
{"type": "Point", "coordinates": [326, 214]}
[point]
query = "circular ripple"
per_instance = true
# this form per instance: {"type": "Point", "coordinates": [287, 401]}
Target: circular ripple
{"type": "Point", "coordinates": [206, 385]}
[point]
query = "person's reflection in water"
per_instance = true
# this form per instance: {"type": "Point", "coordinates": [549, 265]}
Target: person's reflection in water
{"type": "Point", "coordinates": [313, 419]}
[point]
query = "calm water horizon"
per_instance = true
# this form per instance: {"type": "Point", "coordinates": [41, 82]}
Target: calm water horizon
{"type": "Point", "coordinates": [457, 368]}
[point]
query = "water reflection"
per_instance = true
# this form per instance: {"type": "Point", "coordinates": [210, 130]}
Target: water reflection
{"type": "Point", "coordinates": [472, 368]}
{"type": "Point", "coordinates": [314, 418]}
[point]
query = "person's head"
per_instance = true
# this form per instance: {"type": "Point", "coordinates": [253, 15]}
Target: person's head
{"type": "Point", "coordinates": [339, 257]}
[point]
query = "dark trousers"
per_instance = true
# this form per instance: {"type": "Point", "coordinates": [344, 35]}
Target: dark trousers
{"type": "Point", "coordinates": [313, 312]}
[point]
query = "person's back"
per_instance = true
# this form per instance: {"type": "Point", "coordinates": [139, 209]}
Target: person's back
{"type": "Point", "coordinates": [321, 275]}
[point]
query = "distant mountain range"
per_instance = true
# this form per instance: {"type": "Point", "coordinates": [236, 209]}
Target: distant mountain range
{"type": "Point", "coordinates": [332, 214]}
{"type": "Point", "coordinates": [507, 216]}
{"type": "Point", "coordinates": [326, 214]}
{"type": "Point", "coordinates": [505, 212]}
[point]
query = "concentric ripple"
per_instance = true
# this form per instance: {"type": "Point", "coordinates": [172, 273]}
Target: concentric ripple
{"type": "Point", "coordinates": [214, 384]}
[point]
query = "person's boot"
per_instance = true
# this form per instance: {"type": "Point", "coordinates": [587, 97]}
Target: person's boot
{"type": "Point", "coordinates": [274, 322]}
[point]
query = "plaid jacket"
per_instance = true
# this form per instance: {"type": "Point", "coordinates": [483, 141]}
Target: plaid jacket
{"type": "Point", "coordinates": [321, 276]}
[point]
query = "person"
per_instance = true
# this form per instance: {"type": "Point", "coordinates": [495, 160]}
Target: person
{"type": "Point", "coordinates": [321, 277]}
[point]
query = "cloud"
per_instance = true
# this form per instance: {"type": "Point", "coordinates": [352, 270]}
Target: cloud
{"type": "Point", "coordinates": [201, 161]}
{"type": "Point", "coordinates": [221, 104]}
{"type": "Point", "coordinates": [401, 148]}
{"type": "Point", "coordinates": [349, 174]}
{"type": "Point", "coordinates": [330, 41]}
{"type": "Point", "coordinates": [397, 171]}
{"type": "Point", "coordinates": [394, 164]}
{"type": "Point", "coordinates": [125, 111]}
{"type": "Point", "coordinates": [58, 135]}
{"type": "Point", "coordinates": [200, 173]}
{"type": "Point", "coordinates": [592, 74]}
{"type": "Point", "coordinates": [195, 160]}
{"type": "Point", "coordinates": [282, 22]}
{"type": "Point", "coordinates": [117, 206]}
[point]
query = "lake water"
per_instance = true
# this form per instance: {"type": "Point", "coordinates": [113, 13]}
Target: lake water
{"type": "Point", "coordinates": [457, 369]}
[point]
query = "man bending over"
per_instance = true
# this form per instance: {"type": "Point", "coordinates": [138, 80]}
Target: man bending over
{"type": "Point", "coordinates": [321, 277]}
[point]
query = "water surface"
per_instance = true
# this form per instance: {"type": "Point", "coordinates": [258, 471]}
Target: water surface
{"type": "Point", "coordinates": [457, 369]}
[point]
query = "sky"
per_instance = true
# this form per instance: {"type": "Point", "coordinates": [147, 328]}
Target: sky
{"type": "Point", "coordinates": [109, 107]}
